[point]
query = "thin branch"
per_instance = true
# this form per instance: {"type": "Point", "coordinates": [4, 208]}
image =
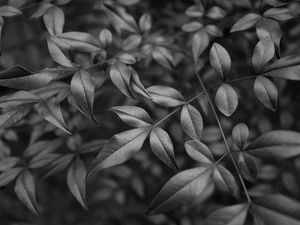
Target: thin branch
{"type": "Point", "coordinates": [223, 134]}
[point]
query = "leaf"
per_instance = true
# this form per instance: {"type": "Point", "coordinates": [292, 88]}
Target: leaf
{"type": "Point", "coordinates": [192, 26]}
{"type": "Point", "coordinates": [163, 57]}
{"type": "Point", "coordinates": [42, 160]}
{"type": "Point", "coordinates": [145, 23]}
{"type": "Point", "coordinates": [121, 19]}
{"type": "Point", "coordinates": [248, 167]}
{"type": "Point", "coordinates": [229, 215]}
{"type": "Point", "coordinates": [162, 146]}
{"type": "Point", "coordinates": [220, 60]}
{"type": "Point", "coordinates": [58, 55]}
{"type": "Point", "coordinates": [133, 116]}
{"type": "Point", "coordinates": [41, 10]}
{"type": "Point", "coordinates": [18, 98]}
{"type": "Point", "coordinates": [266, 92]}
{"type": "Point", "coordinates": [43, 147]}
{"type": "Point", "coordinates": [281, 14]}
{"type": "Point", "coordinates": [92, 146]}
{"type": "Point", "coordinates": [9, 175]}
{"type": "Point", "coordinates": [269, 28]}
{"type": "Point", "coordinates": [277, 210]}
{"type": "Point", "coordinates": [20, 78]}
{"type": "Point", "coordinates": [79, 41]}
{"type": "Point", "coordinates": [54, 20]}
{"type": "Point", "coordinates": [165, 96]}
{"type": "Point", "coordinates": [226, 99]}
{"type": "Point", "coordinates": [83, 90]}
{"type": "Point", "coordinates": [105, 38]}
{"type": "Point", "coordinates": [125, 58]}
{"type": "Point", "coordinates": [120, 148]}
{"type": "Point", "coordinates": [14, 116]}
{"type": "Point", "coordinates": [240, 134]}
{"type": "Point", "coordinates": [25, 191]}
{"type": "Point", "coordinates": [224, 180]}
{"type": "Point", "coordinates": [132, 42]}
{"type": "Point", "coordinates": [58, 165]}
{"type": "Point", "coordinates": [8, 162]}
{"type": "Point", "coordinates": [51, 112]}
{"type": "Point", "coordinates": [200, 41]}
{"type": "Point", "coordinates": [199, 152]}
{"type": "Point", "coordinates": [275, 145]}
{"type": "Point", "coordinates": [245, 22]}
{"type": "Point", "coordinates": [195, 10]}
{"type": "Point", "coordinates": [76, 179]}
{"type": "Point", "coordinates": [181, 189]}
{"type": "Point", "coordinates": [191, 122]}
{"type": "Point", "coordinates": [120, 75]}
{"type": "Point", "coordinates": [263, 52]}
{"type": "Point", "coordinates": [8, 10]}
{"type": "Point", "coordinates": [136, 84]}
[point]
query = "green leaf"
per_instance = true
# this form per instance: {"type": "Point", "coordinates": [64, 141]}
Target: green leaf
{"type": "Point", "coordinates": [8, 10]}
{"type": "Point", "coordinates": [8, 163]}
{"type": "Point", "coordinates": [245, 22]}
{"type": "Point", "coordinates": [269, 28]}
{"type": "Point", "coordinates": [224, 180]}
{"type": "Point", "coordinates": [83, 90]}
{"type": "Point", "coordinates": [281, 14]}
{"type": "Point", "coordinates": [165, 96]}
{"type": "Point", "coordinates": [226, 99]}
{"type": "Point", "coordinates": [25, 191]}
{"type": "Point", "coordinates": [133, 116]}
{"type": "Point", "coordinates": [220, 60]}
{"type": "Point", "coordinates": [14, 116]}
{"type": "Point", "coordinates": [120, 75]}
{"type": "Point", "coordinates": [229, 215]}
{"type": "Point", "coordinates": [277, 210]}
{"type": "Point", "coordinates": [263, 52]}
{"type": "Point", "coordinates": [266, 92]}
{"type": "Point", "coordinates": [199, 152]}
{"type": "Point", "coordinates": [275, 145]}
{"type": "Point", "coordinates": [54, 20]}
{"type": "Point", "coordinates": [120, 148]}
{"type": "Point", "coordinates": [240, 134]}
{"type": "Point", "coordinates": [200, 42]}
{"type": "Point", "coordinates": [76, 179]}
{"type": "Point", "coordinates": [191, 122]}
{"type": "Point", "coordinates": [51, 112]}
{"type": "Point", "coordinates": [9, 175]}
{"type": "Point", "coordinates": [162, 146]}
{"type": "Point", "coordinates": [181, 189]}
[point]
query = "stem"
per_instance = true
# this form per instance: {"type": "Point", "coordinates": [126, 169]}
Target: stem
{"type": "Point", "coordinates": [222, 132]}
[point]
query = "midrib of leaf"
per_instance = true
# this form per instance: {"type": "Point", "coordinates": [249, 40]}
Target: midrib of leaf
{"type": "Point", "coordinates": [163, 147]}
{"type": "Point", "coordinates": [85, 95]}
{"type": "Point", "coordinates": [138, 118]}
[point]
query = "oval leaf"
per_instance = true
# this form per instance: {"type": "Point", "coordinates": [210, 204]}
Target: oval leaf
{"type": "Point", "coordinates": [226, 99]}
{"type": "Point", "coordinates": [165, 96]}
{"type": "Point", "coordinates": [191, 122]}
{"type": "Point", "coordinates": [245, 22]}
{"type": "Point", "coordinates": [199, 152]}
{"type": "Point", "coordinates": [220, 60]}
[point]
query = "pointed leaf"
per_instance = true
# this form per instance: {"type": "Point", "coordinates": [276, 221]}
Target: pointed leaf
{"type": "Point", "coordinates": [14, 116]}
{"type": "Point", "coordinates": [54, 20]}
{"type": "Point", "coordinates": [58, 165]}
{"type": "Point", "coordinates": [200, 41]}
{"type": "Point", "coordinates": [199, 152]}
{"type": "Point", "coordinates": [248, 167]}
{"type": "Point", "coordinates": [8, 163]}
{"type": "Point", "coordinates": [224, 180]}
{"type": "Point", "coordinates": [9, 175]}
{"type": "Point", "coordinates": [229, 215]}
{"type": "Point", "coordinates": [240, 134]}
{"type": "Point", "coordinates": [220, 60]}
{"type": "Point", "coordinates": [226, 99]}
{"type": "Point", "coordinates": [191, 122]}
{"type": "Point", "coordinates": [136, 84]}
{"type": "Point", "coordinates": [263, 52]}
{"type": "Point", "coordinates": [18, 98]}
{"type": "Point", "coordinates": [83, 90]}
{"type": "Point", "coordinates": [165, 96]}
{"type": "Point", "coordinates": [266, 92]}
{"type": "Point", "coordinates": [245, 22]}
{"type": "Point", "coordinates": [25, 191]}
{"type": "Point", "coordinates": [163, 57]}
{"type": "Point", "coordinates": [269, 28]}
{"type": "Point", "coordinates": [76, 179]}
{"type": "Point", "coordinates": [281, 14]}
{"type": "Point", "coordinates": [9, 10]}
{"type": "Point", "coordinates": [120, 148]}
{"type": "Point", "coordinates": [162, 146]}
{"type": "Point", "coordinates": [275, 145]}
{"type": "Point", "coordinates": [181, 189]}
{"type": "Point", "coordinates": [133, 116]}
